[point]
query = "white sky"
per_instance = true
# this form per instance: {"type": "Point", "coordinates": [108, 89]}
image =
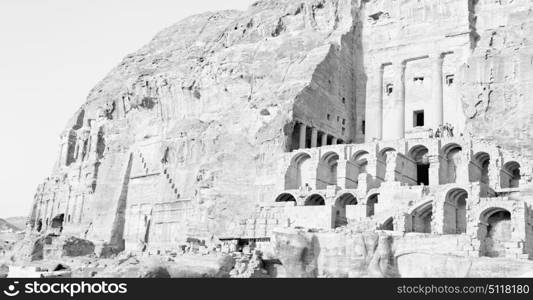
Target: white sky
{"type": "Point", "coordinates": [52, 52]}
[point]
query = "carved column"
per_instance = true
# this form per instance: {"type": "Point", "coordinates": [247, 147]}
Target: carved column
{"type": "Point", "coordinates": [437, 105]}
{"type": "Point", "coordinates": [303, 129]}
{"type": "Point", "coordinates": [390, 173]}
{"type": "Point", "coordinates": [394, 126]}
{"type": "Point", "coordinates": [314, 137]}
{"type": "Point", "coordinates": [462, 171]}
{"type": "Point", "coordinates": [63, 152]}
{"type": "Point", "coordinates": [324, 141]}
{"type": "Point", "coordinates": [495, 166]}
{"type": "Point", "coordinates": [374, 107]}
{"type": "Point", "coordinates": [334, 141]}
{"type": "Point", "coordinates": [344, 169]}
{"type": "Point", "coordinates": [434, 167]}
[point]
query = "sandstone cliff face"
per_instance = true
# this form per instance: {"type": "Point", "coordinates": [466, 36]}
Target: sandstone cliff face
{"type": "Point", "coordinates": [497, 88]}
{"type": "Point", "coordinates": [188, 130]}
{"type": "Point", "coordinates": [213, 98]}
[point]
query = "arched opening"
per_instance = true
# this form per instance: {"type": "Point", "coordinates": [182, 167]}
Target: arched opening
{"type": "Point", "coordinates": [388, 224]}
{"type": "Point", "coordinates": [383, 157]}
{"type": "Point", "coordinates": [510, 175]}
{"type": "Point", "coordinates": [340, 205]}
{"type": "Point", "coordinates": [285, 197]}
{"type": "Point", "coordinates": [327, 170]}
{"type": "Point", "coordinates": [452, 154]}
{"type": "Point", "coordinates": [39, 225]}
{"type": "Point", "coordinates": [371, 205]}
{"type": "Point", "coordinates": [479, 168]}
{"type": "Point", "coordinates": [315, 200]}
{"type": "Point", "coordinates": [299, 173]}
{"type": "Point", "coordinates": [421, 218]}
{"type": "Point", "coordinates": [454, 211]}
{"type": "Point", "coordinates": [495, 231]}
{"type": "Point", "coordinates": [57, 222]}
{"type": "Point", "coordinates": [360, 160]}
{"type": "Point", "coordinates": [419, 154]}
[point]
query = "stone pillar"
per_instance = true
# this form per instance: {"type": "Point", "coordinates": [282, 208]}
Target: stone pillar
{"type": "Point", "coordinates": [303, 129]}
{"type": "Point", "coordinates": [334, 141]}
{"type": "Point", "coordinates": [374, 106]}
{"type": "Point", "coordinates": [495, 167]}
{"type": "Point", "coordinates": [437, 104]}
{"type": "Point", "coordinates": [434, 167]}
{"type": "Point", "coordinates": [79, 154]}
{"type": "Point", "coordinates": [314, 137]}
{"type": "Point", "coordinates": [345, 168]}
{"type": "Point", "coordinates": [93, 144]}
{"type": "Point", "coordinates": [63, 152]}
{"type": "Point", "coordinates": [324, 141]}
{"type": "Point", "coordinates": [372, 170]}
{"type": "Point", "coordinates": [462, 171]}
{"type": "Point", "coordinates": [390, 171]}
{"type": "Point", "coordinates": [394, 126]}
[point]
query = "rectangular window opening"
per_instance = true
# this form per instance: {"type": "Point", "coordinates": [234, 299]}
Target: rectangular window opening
{"type": "Point", "coordinates": [449, 79]}
{"type": "Point", "coordinates": [418, 118]}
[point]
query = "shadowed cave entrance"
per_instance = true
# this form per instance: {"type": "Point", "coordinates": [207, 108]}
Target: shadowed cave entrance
{"type": "Point", "coordinates": [57, 222]}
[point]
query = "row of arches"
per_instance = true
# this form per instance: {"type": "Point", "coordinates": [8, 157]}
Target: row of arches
{"type": "Point", "coordinates": [303, 173]}
{"type": "Point", "coordinates": [341, 203]}
{"type": "Point", "coordinates": [454, 210]}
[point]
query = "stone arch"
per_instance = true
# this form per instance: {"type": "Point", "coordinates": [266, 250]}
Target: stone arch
{"type": "Point", "coordinates": [454, 211]}
{"type": "Point", "coordinates": [388, 224]}
{"type": "Point", "coordinates": [382, 162]}
{"type": "Point", "coordinates": [315, 200]}
{"type": "Point", "coordinates": [510, 175]}
{"type": "Point", "coordinates": [419, 154]}
{"type": "Point", "coordinates": [360, 161]}
{"type": "Point", "coordinates": [371, 202]}
{"type": "Point", "coordinates": [421, 217]}
{"type": "Point", "coordinates": [346, 199]}
{"type": "Point", "coordinates": [298, 174]}
{"type": "Point", "coordinates": [285, 197]}
{"type": "Point", "coordinates": [478, 169]}
{"type": "Point", "coordinates": [495, 231]}
{"type": "Point", "coordinates": [452, 160]}
{"type": "Point", "coordinates": [327, 169]}
{"type": "Point", "coordinates": [340, 207]}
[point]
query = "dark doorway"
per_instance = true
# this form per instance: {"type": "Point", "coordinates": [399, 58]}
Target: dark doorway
{"type": "Point", "coordinates": [422, 171]}
{"type": "Point", "coordinates": [57, 222]}
{"type": "Point", "coordinates": [418, 118]}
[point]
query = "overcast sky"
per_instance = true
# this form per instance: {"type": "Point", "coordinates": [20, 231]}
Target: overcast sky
{"type": "Point", "coordinates": [52, 52]}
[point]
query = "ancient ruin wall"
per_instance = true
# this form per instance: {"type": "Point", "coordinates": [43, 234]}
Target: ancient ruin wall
{"type": "Point", "coordinates": [197, 119]}
{"type": "Point", "coordinates": [497, 87]}
{"type": "Point", "coordinates": [188, 130]}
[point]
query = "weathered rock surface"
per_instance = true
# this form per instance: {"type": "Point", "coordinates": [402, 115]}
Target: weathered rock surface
{"type": "Point", "coordinates": [185, 136]}
{"type": "Point", "coordinates": [77, 247]}
{"type": "Point", "coordinates": [497, 87]}
{"type": "Point", "coordinates": [305, 254]}
{"type": "Point", "coordinates": [380, 254]}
